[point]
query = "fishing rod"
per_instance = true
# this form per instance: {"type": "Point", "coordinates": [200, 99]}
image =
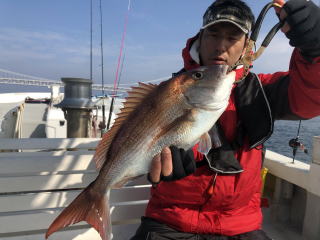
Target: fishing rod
{"type": "Point", "coordinates": [250, 55]}
{"type": "Point", "coordinates": [295, 144]}
{"type": "Point", "coordinates": [102, 125]}
{"type": "Point", "coordinates": [115, 94]}
{"type": "Point", "coordinates": [116, 80]}
{"type": "Point", "coordinates": [91, 33]}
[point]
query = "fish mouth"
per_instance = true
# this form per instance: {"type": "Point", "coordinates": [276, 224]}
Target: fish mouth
{"type": "Point", "coordinates": [213, 75]}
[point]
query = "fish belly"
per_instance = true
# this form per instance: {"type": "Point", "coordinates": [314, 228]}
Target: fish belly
{"type": "Point", "coordinates": [203, 122]}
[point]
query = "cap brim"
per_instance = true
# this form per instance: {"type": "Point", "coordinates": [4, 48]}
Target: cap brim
{"type": "Point", "coordinates": [226, 20]}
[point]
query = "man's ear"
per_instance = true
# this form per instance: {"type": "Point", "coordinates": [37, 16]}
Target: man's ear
{"type": "Point", "coordinates": [245, 45]}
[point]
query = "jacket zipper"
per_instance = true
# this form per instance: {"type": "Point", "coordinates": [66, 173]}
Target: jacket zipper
{"type": "Point", "coordinates": [212, 186]}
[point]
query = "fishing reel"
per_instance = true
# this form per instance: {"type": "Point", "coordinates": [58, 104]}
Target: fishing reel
{"type": "Point", "coordinates": [295, 144]}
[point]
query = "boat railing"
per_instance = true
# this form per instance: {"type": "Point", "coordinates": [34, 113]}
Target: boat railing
{"type": "Point", "coordinates": [39, 177]}
{"type": "Point", "coordinates": [294, 192]}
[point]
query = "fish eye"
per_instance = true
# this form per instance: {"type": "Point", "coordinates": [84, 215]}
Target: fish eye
{"type": "Point", "coordinates": [197, 75]}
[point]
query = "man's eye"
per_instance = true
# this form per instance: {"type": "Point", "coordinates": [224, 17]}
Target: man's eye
{"type": "Point", "coordinates": [213, 35]}
{"type": "Point", "coordinates": [233, 39]}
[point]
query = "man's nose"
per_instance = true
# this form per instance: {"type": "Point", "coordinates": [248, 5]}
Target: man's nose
{"type": "Point", "coordinates": [221, 44]}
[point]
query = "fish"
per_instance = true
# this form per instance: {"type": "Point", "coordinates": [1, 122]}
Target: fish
{"type": "Point", "coordinates": [179, 112]}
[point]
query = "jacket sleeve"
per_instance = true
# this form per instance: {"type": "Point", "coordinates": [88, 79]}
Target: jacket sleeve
{"type": "Point", "coordinates": [294, 94]}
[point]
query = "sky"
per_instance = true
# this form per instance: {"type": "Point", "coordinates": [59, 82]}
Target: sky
{"type": "Point", "coordinates": [51, 39]}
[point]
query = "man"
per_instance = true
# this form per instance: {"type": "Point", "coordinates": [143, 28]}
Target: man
{"type": "Point", "coordinates": [218, 196]}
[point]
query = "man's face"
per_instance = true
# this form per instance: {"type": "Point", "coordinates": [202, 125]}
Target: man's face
{"type": "Point", "coordinates": [221, 43]}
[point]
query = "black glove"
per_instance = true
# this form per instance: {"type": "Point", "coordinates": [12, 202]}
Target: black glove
{"type": "Point", "coordinates": [183, 164]}
{"type": "Point", "coordinates": [304, 21]}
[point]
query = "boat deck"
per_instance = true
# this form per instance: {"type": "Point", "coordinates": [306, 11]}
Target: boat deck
{"type": "Point", "coordinates": [279, 231]}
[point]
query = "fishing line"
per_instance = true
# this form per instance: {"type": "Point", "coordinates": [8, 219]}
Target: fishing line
{"type": "Point", "coordinates": [121, 69]}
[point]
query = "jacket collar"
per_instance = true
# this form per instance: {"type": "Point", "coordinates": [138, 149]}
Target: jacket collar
{"type": "Point", "coordinates": [190, 54]}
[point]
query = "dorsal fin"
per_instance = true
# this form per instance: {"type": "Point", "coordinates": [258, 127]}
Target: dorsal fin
{"type": "Point", "coordinates": [135, 97]}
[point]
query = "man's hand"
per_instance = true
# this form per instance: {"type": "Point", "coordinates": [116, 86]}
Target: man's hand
{"type": "Point", "coordinates": [280, 3]}
{"type": "Point", "coordinates": [302, 26]}
{"type": "Point", "coordinates": [161, 165]}
{"type": "Point", "coordinates": [171, 164]}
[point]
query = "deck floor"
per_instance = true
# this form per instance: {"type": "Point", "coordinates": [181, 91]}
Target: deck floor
{"type": "Point", "coordinates": [278, 231]}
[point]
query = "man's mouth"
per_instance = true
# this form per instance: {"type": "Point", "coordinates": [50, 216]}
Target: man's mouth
{"type": "Point", "coordinates": [219, 61]}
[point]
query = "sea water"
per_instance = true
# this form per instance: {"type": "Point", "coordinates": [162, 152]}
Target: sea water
{"type": "Point", "coordinates": [286, 130]}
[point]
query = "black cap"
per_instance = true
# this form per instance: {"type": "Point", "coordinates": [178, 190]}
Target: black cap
{"type": "Point", "coordinates": [221, 11]}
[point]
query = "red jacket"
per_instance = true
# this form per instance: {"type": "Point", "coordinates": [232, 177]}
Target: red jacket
{"type": "Point", "coordinates": [189, 205]}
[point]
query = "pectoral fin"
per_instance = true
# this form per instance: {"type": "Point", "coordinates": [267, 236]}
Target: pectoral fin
{"type": "Point", "coordinates": [205, 143]}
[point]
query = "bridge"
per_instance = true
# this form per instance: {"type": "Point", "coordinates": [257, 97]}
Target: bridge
{"type": "Point", "coordinates": [9, 77]}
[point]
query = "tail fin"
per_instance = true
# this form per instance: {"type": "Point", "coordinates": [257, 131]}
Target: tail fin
{"type": "Point", "coordinates": [89, 206]}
